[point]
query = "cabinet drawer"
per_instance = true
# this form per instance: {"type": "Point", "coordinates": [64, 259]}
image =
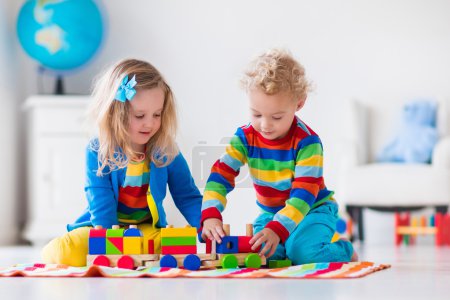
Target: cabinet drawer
{"type": "Point", "coordinates": [57, 120]}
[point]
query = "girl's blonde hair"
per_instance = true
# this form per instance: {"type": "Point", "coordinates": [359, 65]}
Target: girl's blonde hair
{"type": "Point", "coordinates": [276, 71]}
{"type": "Point", "coordinates": [112, 117]}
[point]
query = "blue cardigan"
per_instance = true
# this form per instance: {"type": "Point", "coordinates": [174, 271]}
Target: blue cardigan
{"type": "Point", "coordinates": [102, 193]}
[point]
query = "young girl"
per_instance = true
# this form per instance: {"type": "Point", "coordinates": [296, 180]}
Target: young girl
{"type": "Point", "coordinates": [131, 162]}
{"type": "Point", "coordinates": [298, 213]}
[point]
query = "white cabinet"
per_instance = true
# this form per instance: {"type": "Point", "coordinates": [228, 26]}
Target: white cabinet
{"type": "Point", "coordinates": [56, 142]}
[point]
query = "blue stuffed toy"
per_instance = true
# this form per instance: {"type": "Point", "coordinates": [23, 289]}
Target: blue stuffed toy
{"type": "Point", "coordinates": [417, 136]}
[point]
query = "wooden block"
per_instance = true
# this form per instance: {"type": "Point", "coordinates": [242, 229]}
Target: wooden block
{"type": "Point", "coordinates": [179, 241]}
{"type": "Point", "coordinates": [114, 245]}
{"type": "Point", "coordinates": [151, 247]}
{"type": "Point", "coordinates": [208, 245]}
{"type": "Point", "coordinates": [97, 245]}
{"type": "Point", "coordinates": [114, 232]}
{"type": "Point", "coordinates": [229, 245]}
{"type": "Point", "coordinates": [97, 232]}
{"type": "Point", "coordinates": [442, 222]}
{"type": "Point", "coordinates": [400, 220]}
{"type": "Point", "coordinates": [176, 232]}
{"type": "Point", "coordinates": [279, 263]}
{"type": "Point", "coordinates": [244, 245]}
{"type": "Point", "coordinates": [132, 245]}
{"type": "Point", "coordinates": [132, 232]}
{"type": "Point", "coordinates": [178, 249]}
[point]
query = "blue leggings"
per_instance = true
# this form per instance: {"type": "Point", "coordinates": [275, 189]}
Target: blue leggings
{"type": "Point", "coordinates": [310, 242]}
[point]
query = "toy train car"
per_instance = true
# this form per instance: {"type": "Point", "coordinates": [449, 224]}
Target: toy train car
{"type": "Point", "coordinates": [124, 248]}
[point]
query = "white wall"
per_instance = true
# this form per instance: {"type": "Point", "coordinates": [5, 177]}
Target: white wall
{"type": "Point", "coordinates": [377, 51]}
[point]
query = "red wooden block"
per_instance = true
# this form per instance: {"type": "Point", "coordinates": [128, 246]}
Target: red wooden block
{"type": "Point", "coordinates": [179, 249]}
{"type": "Point", "coordinates": [208, 245]}
{"type": "Point", "coordinates": [244, 245]}
{"type": "Point", "coordinates": [442, 223]}
{"type": "Point", "coordinates": [151, 247]}
{"type": "Point", "coordinates": [400, 220]}
{"type": "Point", "coordinates": [97, 232]}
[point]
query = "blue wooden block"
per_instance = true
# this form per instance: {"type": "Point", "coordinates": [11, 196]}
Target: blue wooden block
{"type": "Point", "coordinates": [229, 245]}
{"type": "Point", "coordinates": [97, 245]}
{"type": "Point", "coordinates": [132, 232]}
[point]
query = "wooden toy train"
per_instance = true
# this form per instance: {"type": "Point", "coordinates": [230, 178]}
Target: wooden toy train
{"type": "Point", "coordinates": [123, 248]}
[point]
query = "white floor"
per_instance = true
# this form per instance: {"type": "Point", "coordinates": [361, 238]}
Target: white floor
{"type": "Point", "coordinates": [418, 272]}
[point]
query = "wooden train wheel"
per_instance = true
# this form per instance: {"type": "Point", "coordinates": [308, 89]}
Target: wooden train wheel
{"type": "Point", "coordinates": [125, 262]}
{"type": "Point", "coordinates": [101, 260]}
{"type": "Point", "coordinates": [192, 262]}
{"type": "Point", "coordinates": [229, 261]}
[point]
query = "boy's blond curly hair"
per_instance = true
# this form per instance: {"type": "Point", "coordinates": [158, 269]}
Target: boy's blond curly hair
{"type": "Point", "coordinates": [276, 71]}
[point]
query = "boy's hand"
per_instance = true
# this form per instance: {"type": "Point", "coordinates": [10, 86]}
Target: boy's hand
{"type": "Point", "coordinates": [267, 236]}
{"type": "Point", "coordinates": [213, 230]}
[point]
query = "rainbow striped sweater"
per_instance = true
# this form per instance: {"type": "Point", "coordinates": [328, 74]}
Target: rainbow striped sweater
{"type": "Point", "coordinates": [286, 174]}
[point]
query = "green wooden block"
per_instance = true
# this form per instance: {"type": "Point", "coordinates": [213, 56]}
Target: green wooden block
{"type": "Point", "coordinates": [253, 261]}
{"type": "Point", "coordinates": [114, 232]}
{"type": "Point", "coordinates": [179, 241]}
{"type": "Point", "coordinates": [279, 263]}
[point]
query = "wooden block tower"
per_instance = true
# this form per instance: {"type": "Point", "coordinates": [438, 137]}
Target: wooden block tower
{"type": "Point", "coordinates": [179, 240]}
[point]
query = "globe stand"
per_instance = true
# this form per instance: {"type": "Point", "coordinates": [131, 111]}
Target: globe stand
{"type": "Point", "coordinates": [59, 88]}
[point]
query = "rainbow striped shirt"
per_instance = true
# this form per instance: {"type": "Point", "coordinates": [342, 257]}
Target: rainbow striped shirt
{"type": "Point", "coordinates": [286, 174]}
{"type": "Point", "coordinates": [133, 206]}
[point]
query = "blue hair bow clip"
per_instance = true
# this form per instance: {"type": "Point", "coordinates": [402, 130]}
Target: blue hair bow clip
{"type": "Point", "coordinates": [126, 89]}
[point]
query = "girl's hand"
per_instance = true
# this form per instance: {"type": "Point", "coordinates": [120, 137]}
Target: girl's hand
{"type": "Point", "coordinates": [269, 238]}
{"type": "Point", "coordinates": [213, 230]}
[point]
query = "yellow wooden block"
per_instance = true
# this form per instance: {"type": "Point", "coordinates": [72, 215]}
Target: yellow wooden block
{"type": "Point", "coordinates": [176, 232]}
{"type": "Point", "coordinates": [132, 245]}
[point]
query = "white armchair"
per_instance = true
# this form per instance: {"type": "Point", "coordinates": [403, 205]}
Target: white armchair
{"type": "Point", "coordinates": [365, 183]}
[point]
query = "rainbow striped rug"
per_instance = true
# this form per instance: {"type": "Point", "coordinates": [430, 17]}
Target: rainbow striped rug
{"type": "Point", "coordinates": [307, 271]}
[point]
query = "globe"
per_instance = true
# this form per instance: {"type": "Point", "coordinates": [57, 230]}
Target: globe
{"type": "Point", "coordinates": [60, 34]}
